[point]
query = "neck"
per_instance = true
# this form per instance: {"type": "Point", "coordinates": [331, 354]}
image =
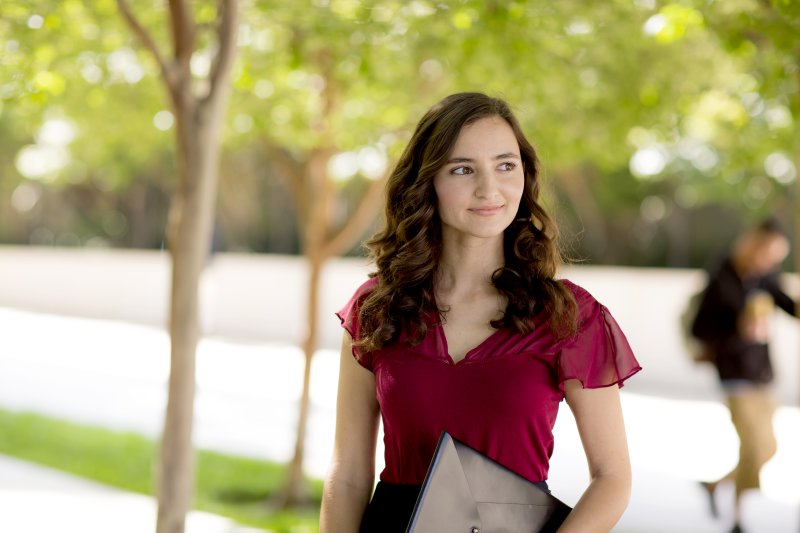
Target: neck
{"type": "Point", "coordinates": [467, 264]}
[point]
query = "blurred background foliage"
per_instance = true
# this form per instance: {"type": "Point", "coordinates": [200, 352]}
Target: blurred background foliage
{"type": "Point", "coordinates": [662, 126]}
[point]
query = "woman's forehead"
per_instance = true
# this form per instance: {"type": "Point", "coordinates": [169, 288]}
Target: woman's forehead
{"type": "Point", "coordinates": [488, 135]}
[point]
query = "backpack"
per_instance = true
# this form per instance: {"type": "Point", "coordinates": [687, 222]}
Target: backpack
{"type": "Point", "coordinates": [698, 350]}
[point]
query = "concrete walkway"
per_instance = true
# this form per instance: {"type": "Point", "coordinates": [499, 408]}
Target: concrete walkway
{"type": "Point", "coordinates": [36, 499]}
{"type": "Point", "coordinates": [114, 374]}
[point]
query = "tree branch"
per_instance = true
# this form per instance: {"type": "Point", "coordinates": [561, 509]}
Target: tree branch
{"type": "Point", "coordinates": [362, 216]}
{"type": "Point", "coordinates": [146, 40]}
{"type": "Point", "coordinates": [183, 33]}
{"type": "Point", "coordinates": [291, 173]}
{"type": "Point", "coordinates": [226, 32]}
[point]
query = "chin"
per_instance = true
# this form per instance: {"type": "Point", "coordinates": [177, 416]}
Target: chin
{"type": "Point", "coordinates": [489, 233]}
{"type": "Point", "coordinates": [489, 229]}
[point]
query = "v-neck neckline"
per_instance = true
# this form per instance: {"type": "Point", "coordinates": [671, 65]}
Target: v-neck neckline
{"type": "Point", "coordinates": [468, 353]}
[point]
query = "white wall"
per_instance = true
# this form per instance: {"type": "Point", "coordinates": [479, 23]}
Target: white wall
{"type": "Point", "coordinates": [262, 298]}
{"type": "Point", "coordinates": [249, 297]}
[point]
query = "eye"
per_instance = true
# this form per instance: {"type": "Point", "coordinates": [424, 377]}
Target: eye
{"type": "Point", "coordinates": [507, 166]}
{"type": "Point", "coordinates": [460, 171]}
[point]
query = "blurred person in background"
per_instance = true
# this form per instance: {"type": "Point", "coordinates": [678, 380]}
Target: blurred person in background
{"type": "Point", "coordinates": [732, 322]}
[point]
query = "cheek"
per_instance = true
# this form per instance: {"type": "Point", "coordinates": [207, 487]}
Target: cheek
{"type": "Point", "coordinates": [447, 195]}
{"type": "Point", "coordinates": [515, 188]}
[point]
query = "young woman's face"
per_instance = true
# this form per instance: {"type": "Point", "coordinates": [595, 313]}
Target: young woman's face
{"type": "Point", "coordinates": [480, 186]}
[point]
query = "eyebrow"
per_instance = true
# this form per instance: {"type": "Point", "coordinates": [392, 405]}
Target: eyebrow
{"type": "Point", "coordinates": [507, 155]}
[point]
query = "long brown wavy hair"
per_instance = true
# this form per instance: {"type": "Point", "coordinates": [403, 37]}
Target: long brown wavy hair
{"type": "Point", "coordinates": [407, 250]}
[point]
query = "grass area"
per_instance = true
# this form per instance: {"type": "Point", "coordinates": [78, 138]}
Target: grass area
{"type": "Point", "coordinates": [235, 487]}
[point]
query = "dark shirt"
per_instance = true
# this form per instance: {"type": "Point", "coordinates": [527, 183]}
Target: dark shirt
{"type": "Point", "coordinates": [716, 323]}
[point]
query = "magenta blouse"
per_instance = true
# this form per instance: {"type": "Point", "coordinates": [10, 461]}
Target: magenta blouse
{"type": "Point", "coordinates": [501, 399]}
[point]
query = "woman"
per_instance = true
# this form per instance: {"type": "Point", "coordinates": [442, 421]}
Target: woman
{"type": "Point", "coordinates": [463, 328]}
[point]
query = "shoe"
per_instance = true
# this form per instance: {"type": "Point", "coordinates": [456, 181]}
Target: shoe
{"type": "Point", "coordinates": [737, 529]}
{"type": "Point", "coordinates": [709, 488]}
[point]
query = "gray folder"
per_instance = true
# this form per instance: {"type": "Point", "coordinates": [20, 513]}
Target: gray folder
{"type": "Point", "coordinates": [466, 492]}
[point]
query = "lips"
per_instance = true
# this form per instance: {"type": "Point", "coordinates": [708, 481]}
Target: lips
{"type": "Point", "coordinates": [487, 210]}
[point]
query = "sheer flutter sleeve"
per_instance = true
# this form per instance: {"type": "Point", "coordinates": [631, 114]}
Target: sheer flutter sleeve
{"type": "Point", "coordinates": [599, 354]}
{"type": "Point", "coordinates": [349, 318]}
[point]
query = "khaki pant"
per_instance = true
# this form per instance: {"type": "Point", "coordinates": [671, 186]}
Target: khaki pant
{"type": "Point", "coordinates": [751, 413]}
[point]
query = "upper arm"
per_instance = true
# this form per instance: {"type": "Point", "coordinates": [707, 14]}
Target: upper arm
{"type": "Point", "coordinates": [598, 415]}
{"type": "Point", "coordinates": [357, 415]}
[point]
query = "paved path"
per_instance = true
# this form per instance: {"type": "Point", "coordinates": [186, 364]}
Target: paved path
{"type": "Point", "coordinates": [36, 499]}
{"type": "Point", "coordinates": [114, 374]}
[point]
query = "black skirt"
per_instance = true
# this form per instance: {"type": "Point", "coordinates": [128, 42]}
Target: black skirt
{"type": "Point", "coordinates": [390, 509]}
{"type": "Point", "coordinates": [392, 505]}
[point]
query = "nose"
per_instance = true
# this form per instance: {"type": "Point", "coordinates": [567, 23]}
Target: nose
{"type": "Point", "coordinates": [486, 184]}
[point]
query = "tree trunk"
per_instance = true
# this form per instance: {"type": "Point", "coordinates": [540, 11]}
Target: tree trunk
{"type": "Point", "coordinates": [189, 236]}
{"type": "Point", "coordinates": [316, 225]}
{"type": "Point", "coordinates": [296, 490]}
{"type": "Point", "coordinates": [198, 125]}
{"type": "Point", "coordinates": [313, 194]}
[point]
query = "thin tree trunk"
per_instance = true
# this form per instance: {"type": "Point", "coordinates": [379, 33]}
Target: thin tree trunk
{"type": "Point", "coordinates": [198, 122]}
{"type": "Point", "coordinates": [176, 458]}
{"type": "Point", "coordinates": [191, 221]}
{"type": "Point", "coordinates": [296, 492]}
{"type": "Point", "coordinates": [319, 190]}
